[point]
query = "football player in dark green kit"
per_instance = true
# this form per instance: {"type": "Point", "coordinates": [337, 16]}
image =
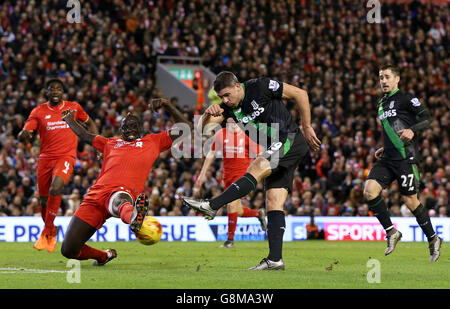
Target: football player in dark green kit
{"type": "Point", "coordinates": [257, 107]}
{"type": "Point", "coordinates": [403, 117]}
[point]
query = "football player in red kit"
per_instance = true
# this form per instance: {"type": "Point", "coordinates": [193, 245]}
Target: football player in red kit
{"type": "Point", "coordinates": [57, 154]}
{"type": "Point", "coordinates": [127, 161]}
{"type": "Point", "coordinates": [237, 150]}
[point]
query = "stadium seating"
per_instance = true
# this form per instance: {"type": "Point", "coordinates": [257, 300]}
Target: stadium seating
{"type": "Point", "coordinates": [108, 63]}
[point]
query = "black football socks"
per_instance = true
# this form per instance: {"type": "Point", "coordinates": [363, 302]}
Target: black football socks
{"type": "Point", "coordinates": [238, 189]}
{"type": "Point", "coordinates": [379, 209]}
{"type": "Point", "coordinates": [276, 224]}
{"type": "Point", "coordinates": [423, 218]}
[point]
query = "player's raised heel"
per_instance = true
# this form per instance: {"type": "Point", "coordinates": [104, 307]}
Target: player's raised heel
{"type": "Point", "coordinates": [392, 241]}
{"type": "Point", "coordinates": [267, 264]}
{"type": "Point", "coordinates": [110, 253]}
{"type": "Point", "coordinates": [435, 248]}
{"type": "Point", "coordinates": [140, 210]}
{"type": "Point", "coordinates": [201, 206]}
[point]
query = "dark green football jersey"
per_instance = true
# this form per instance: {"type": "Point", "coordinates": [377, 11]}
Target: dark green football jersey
{"type": "Point", "coordinates": [399, 110]}
{"type": "Point", "coordinates": [263, 110]}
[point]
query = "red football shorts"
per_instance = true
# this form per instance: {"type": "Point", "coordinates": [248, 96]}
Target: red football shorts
{"type": "Point", "coordinates": [229, 179]}
{"type": "Point", "coordinates": [49, 168]}
{"type": "Point", "coordinates": [94, 208]}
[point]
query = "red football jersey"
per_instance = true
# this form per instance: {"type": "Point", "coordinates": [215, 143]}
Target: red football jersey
{"type": "Point", "coordinates": [57, 139]}
{"type": "Point", "coordinates": [128, 164]}
{"type": "Point", "coordinates": [238, 151]}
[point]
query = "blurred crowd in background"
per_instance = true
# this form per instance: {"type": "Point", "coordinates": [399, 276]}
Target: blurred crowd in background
{"type": "Point", "coordinates": [328, 48]}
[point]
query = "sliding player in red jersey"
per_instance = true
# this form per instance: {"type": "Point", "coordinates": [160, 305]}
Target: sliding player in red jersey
{"type": "Point", "coordinates": [237, 150]}
{"type": "Point", "coordinates": [117, 192]}
{"type": "Point", "coordinates": [57, 154]}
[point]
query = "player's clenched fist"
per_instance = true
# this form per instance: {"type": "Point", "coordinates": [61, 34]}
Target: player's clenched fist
{"type": "Point", "coordinates": [68, 114]}
{"type": "Point", "coordinates": [379, 153]}
{"type": "Point", "coordinates": [155, 104]}
{"type": "Point", "coordinates": [214, 110]}
{"type": "Point", "coordinates": [24, 135]}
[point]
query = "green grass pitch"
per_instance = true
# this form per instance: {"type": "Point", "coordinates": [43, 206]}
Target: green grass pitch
{"type": "Point", "coordinates": [204, 265]}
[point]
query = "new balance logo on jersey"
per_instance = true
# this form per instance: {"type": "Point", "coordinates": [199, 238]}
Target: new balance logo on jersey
{"type": "Point", "coordinates": [274, 85]}
{"type": "Point", "coordinates": [48, 117]}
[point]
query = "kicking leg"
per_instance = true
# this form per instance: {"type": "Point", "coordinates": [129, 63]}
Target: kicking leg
{"type": "Point", "coordinates": [121, 205]}
{"type": "Point", "coordinates": [257, 171]}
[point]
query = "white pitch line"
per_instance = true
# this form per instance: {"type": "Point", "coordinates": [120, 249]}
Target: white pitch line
{"type": "Point", "coordinates": [13, 270]}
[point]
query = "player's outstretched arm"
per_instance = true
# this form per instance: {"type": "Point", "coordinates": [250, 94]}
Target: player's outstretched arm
{"type": "Point", "coordinates": [68, 116]}
{"type": "Point", "coordinates": [91, 126]}
{"type": "Point", "coordinates": [155, 104]}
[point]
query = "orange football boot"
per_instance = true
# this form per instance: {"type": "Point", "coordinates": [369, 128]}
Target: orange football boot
{"type": "Point", "coordinates": [41, 243]}
{"type": "Point", "coordinates": [51, 239]}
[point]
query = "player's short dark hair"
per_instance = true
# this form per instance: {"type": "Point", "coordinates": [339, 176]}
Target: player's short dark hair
{"type": "Point", "coordinates": [133, 115]}
{"type": "Point", "coordinates": [394, 69]}
{"type": "Point", "coordinates": [55, 80]}
{"type": "Point", "coordinates": [224, 79]}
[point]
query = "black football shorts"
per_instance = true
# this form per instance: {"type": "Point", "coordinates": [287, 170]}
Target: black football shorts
{"type": "Point", "coordinates": [284, 159]}
{"type": "Point", "coordinates": [406, 173]}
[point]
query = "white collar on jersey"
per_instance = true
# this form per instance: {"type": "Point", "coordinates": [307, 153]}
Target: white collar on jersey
{"type": "Point", "coordinates": [59, 107]}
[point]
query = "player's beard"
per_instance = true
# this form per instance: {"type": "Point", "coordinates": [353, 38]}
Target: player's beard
{"type": "Point", "coordinates": [131, 136]}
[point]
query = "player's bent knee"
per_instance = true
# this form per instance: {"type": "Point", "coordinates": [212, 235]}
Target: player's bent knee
{"type": "Point", "coordinates": [371, 190]}
{"type": "Point", "coordinates": [411, 201]}
{"type": "Point", "coordinates": [68, 251]}
{"type": "Point", "coordinates": [56, 186]}
{"type": "Point", "coordinates": [260, 168]}
{"type": "Point", "coordinates": [275, 199]}
{"type": "Point", "coordinates": [369, 195]}
{"type": "Point", "coordinates": [117, 199]}
{"type": "Point", "coordinates": [55, 191]}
